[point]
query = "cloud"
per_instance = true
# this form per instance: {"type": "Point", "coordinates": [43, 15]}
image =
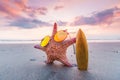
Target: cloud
{"type": "Point", "coordinates": [20, 3]}
{"type": "Point", "coordinates": [14, 8]}
{"type": "Point", "coordinates": [58, 7]}
{"type": "Point", "coordinates": [104, 17]}
{"type": "Point", "coordinates": [117, 13]}
{"type": "Point", "coordinates": [62, 23]}
{"type": "Point", "coordinates": [22, 15]}
{"type": "Point", "coordinates": [8, 11]}
{"type": "Point", "coordinates": [38, 11]}
{"type": "Point", "coordinates": [28, 23]}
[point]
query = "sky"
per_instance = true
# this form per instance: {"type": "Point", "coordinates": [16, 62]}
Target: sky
{"type": "Point", "coordinates": [33, 19]}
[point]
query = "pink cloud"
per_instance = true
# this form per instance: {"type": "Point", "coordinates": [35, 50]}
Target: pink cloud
{"type": "Point", "coordinates": [33, 12]}
{"type": "Point", "coordinates": [104, 17]}
{"type": "Point", "coordinates": [14, 8]}
{"type": "Point", "coordinates": [7, 9]}
{"type": "Point", "coordinates": [58, 7]}
{"type": "Point", "coordinates": [20, 15]}
{"type": "Point", "coordinates": [42, 10]}
{"type": "Point", "coordinates": [117, 13]}
{"type": "Point", "coordinates": [20, 3]}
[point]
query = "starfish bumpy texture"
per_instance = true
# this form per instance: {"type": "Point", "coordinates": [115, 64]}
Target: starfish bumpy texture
{"type": "Point", "coordinates": [57, 50]}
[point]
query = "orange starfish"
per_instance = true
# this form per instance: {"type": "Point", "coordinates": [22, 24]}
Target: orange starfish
{"type": "Point", "coordinates": [57, 50]}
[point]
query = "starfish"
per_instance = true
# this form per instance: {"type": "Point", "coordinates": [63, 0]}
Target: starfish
{"type": "Point", "coordinates": [57, 50]}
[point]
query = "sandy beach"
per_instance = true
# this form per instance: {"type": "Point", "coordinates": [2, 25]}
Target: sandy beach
{"type": "Point", "coordinates": [23, 62]}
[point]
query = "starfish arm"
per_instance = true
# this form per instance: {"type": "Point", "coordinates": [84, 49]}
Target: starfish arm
{"type": "Point", "coordinates": [54, 30]}
{"type": "Point", "coordinates": [49, 62]}
{"type": "Point", "coordinates": [49, 59]}
{"type": "Point", "coordinates": [69, 42]}
{"type": "Point", "coordinates": [39, 47]}
{"type": "Point", "coordinates": [65, 62]}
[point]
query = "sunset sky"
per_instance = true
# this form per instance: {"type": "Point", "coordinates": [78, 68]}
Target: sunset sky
{"type": "Point", "coordinates": [33, 19]}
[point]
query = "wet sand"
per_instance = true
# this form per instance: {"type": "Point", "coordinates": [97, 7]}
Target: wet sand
{"type": "Point", "coordinates": [23, 62]}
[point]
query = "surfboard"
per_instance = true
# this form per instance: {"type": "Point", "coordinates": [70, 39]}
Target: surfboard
{"type": "Point", "coordinates": [81, 50]}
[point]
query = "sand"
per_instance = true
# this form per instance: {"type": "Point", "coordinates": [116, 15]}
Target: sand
{"type": "Point", "coordinates": [23, 62]}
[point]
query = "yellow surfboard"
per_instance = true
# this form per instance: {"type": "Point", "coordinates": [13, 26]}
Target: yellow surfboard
{"type": "Point", "coordinates": [81, 51]}
{"type": "Point", "coordinates": [60, 36]}
{"type": "Point", "coordinates": [45, 41]}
